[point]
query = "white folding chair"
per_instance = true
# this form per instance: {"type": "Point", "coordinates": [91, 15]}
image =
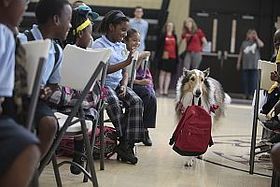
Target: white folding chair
{"type": "Point", "coordinates": [131, 69]}
{"type": "Point", "coordinates": [36, 55]}
{"type": "Point", "coordinates": [263, 83]}
{"type": "Point", "coordinates": [145, 65]}
{"type": "Point", "coordinates": [80, 70]}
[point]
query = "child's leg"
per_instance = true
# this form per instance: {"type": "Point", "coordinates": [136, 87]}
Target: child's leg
{"type": "Point", "coordinates": [46, 133]}
{"type": "Point", "coordinates": [134, 131]}
{"type": "Point", "coordinates": [277, 108]}
{"type": "Point", "coordinates": [47, 126]}
{"type": "Point", "coordinates": [22, 168]}
{"type": "Point", "coordinates": [77, 157]}
{"type": "Point", "coordinates": [150, 107]}
{"type": "Point", "coordinates": [274, 111]}
{"type": "Point", "coordinates": [114, 111]}
{"type": "Point", "coordinates": [19, 154]}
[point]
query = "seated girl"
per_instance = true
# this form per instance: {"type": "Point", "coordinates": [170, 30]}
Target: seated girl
{"type": "Point", "coordinates": [143, 85]}
{"type": "Point", "coordinates": [129, 125]}
{"type": "Point", "coordinates": [80, 35]}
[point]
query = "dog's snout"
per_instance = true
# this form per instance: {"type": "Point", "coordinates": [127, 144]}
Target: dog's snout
{"type": "Point", "coordinates": [197, 93]}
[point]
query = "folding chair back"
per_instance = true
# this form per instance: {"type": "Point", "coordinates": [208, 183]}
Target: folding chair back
{"type": "Point", "coordinates": [131, 69]}
{"type": "Point", "coordinates": [36, 55]}
{"type": "Point", "coordinates": [34, 51]}
{"type": "Point", "coordinates": [79, 64]}
{"type": "Point", "coordinates": [80, 69]}
{"type": "Point", "coordinates": [145, 64]}
{"type": "Point", "coordinates": [266, 67]}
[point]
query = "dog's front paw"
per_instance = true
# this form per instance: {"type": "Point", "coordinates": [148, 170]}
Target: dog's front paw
{"type": "Point", "coordinates": [189, 162]}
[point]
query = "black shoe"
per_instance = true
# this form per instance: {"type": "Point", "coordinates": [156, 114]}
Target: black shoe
{"type": "Point", "coordinates": [147, 141]}
{"type": "Point", "coordinates": [125, 153]}
{"type": "Point", "coordinates": [273, 124]}
{"type": "Point", "coordinates": [77, 157]}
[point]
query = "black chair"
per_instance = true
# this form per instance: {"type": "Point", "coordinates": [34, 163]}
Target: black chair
{"type": "Point", "coordinates": [264, 83]}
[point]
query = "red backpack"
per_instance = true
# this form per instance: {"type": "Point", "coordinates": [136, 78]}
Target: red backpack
{"type": "Point", "coordinates": [192, 135]}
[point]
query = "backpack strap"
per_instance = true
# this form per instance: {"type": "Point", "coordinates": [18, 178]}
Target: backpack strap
{"type": "Point", "coordinates": [199, 101]}
{"type": "Point", "coordinates": [56, 58]}
{"type": "Point", "coordinates": [29, 35]}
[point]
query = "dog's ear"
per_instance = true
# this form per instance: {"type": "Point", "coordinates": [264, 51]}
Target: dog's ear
{"type": "Point", "coordinates": [185, 71]}
{"type": "Point", "coordinates": [206, 72]}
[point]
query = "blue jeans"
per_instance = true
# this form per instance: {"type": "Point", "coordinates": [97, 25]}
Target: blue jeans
{"type": "Point", "coordinates": [249, 78]}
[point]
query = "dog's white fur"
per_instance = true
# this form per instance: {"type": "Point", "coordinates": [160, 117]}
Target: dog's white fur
{"type": "Point", "coordinates": [198, 85]}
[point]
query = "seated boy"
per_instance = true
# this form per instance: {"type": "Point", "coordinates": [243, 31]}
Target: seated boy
{"type": "Point", "coordinates": [53, 18]}
{"type": "Point", "coordinates": [19, 150]}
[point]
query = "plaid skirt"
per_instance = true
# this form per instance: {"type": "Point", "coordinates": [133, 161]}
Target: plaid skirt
{"type": "Point", "coordinates": [129, 124]}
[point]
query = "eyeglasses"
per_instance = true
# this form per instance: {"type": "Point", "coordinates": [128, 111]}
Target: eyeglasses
{"type": "Point", "coordinates": [86, 11]}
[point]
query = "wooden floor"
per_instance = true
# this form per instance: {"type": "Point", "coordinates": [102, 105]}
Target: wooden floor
{"type": "Point", "coordinates": [160, 166]}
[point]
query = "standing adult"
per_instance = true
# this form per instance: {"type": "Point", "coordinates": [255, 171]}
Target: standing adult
{"type": "Point", "coordinates": [167, 56]}
{"type": "Point", "coordinates": [195, 40]}
{"type": "Point", "coordinates": [141, 25]}
{"type": "Point", "coordinates": [249, 55]}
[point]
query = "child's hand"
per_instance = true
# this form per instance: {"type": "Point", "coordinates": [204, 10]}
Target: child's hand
{"type": "Point", "coordinates": [122, 91]}
{"type": "Point", "coordinates": [274, 76]}
{"type": "Point", "coordinates": [130, 55]}
{"type": "Point", "coordinates": [45, 93]}
{"type": "Point", "coordinates": [144, 54]}
{"type": "Point", "coordinates": [144, 82]}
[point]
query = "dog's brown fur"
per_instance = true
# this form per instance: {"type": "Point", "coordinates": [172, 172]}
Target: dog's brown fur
{"type": "Point", "coordinates": [197, 84]}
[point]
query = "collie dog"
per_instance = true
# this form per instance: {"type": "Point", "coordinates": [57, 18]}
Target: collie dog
{"type": "Point", "coordinates": [195, 85]}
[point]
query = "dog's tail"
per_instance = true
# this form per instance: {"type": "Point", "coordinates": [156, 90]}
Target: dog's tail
{"type": "Point", "coordinates": [227, 99]}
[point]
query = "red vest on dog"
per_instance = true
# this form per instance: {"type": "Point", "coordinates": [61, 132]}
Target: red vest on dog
{"type": "Point", "coordinates": [192, 135]}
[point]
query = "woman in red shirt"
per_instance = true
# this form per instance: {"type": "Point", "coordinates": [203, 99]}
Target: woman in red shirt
{"type": "Point", "coordinates": [168, 55]}
{"type": "Point", "coordinates": [195, 40]}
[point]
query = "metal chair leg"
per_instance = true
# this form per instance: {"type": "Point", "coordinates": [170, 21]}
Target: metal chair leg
{"type": "Point", "coordinates": [88, 150]}
{"type": "Point", "coordinates": [254, 129]}
{"type": "Point", "coordinates": [92, 142]}
{"type": "Point", "coordinates": [101, 127]}
{"type": "Point", "coordinates": [56, 171]}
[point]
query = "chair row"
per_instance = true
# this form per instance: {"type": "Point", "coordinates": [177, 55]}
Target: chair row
{"type": "Point", "coordinates": [77, 74]}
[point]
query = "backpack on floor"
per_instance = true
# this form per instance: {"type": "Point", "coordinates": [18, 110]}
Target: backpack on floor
{"type": "Point", "coordinates": [110, 142]}
{"type": "Point", "coordinates": [66, 146]}
{"type": "Point", "coordinates": [192, 135]}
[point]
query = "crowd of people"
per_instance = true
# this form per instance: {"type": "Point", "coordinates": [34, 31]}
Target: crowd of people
{"type": "Point", "coordinates": [64, 23]}
{"type": "Point", "coordinates": [71, 24]}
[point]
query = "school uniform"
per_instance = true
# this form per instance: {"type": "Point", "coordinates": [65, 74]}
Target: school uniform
{"type": "Point", "coordinates": [130, 124]}
{"type": "Point", "coordinates": [13, 137]}
{"type": "Point", "coordinates": [148, 96]}
{"type": "Point", "coordinates": [51, 72]}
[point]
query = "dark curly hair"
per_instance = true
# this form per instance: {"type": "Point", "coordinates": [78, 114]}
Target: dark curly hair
{"type": "Point", "coordinates": [46, 9]}
{"type": "Point", "coordinates": [114, 17]}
